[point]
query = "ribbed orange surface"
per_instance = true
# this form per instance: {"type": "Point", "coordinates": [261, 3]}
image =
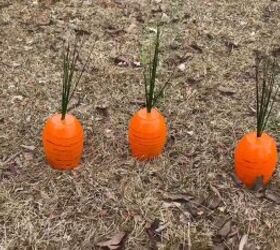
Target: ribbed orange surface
{"type": "Point", "coordinates": [147, 134]}
{"type": "Point", "coordinates": [63, 141]}
{"type": "Point", "coordinates": [255, 156]}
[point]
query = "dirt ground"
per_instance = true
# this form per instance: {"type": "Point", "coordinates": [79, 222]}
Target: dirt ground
{"type": "Point", "coordinates": [185, 199]}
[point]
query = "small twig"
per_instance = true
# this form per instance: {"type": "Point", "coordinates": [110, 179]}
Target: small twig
{"type": "Point", "coordinates": [11, 158]}
{"type": "Point", "coordinates": [216, 191]}
{"type": "Point", "coordinates": [189, 236]}
{"type": "Point", "coordinates": [243, 242]}
{"type": "Point", "coordinates": [235, 232]}
{"type": "Point", "coordinates": [137, 102]}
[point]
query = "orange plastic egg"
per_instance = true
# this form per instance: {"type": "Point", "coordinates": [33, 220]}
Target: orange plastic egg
{"type": "Point", "coordinates": [255, 157]}
{"type": "Point", "coordinates": [63, 141]}
{"type": "Point", "coordinates": [147, 134]}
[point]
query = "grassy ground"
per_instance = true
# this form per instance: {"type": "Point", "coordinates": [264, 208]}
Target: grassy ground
{"type": "Point", "coordinates": [208, 108]}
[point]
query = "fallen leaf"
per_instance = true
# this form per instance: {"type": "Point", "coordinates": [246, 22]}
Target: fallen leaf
{"type": "Point", "coordinates": [272, 196]}
{"type": "Point", "coordinates": [81, 32]}
{"type": "Point", "coordinates": [165, 18]}
{"type": "Point", "coordinates": [138, 102]}
{"type": "Point", "coordinates": [115, 243]}
{"type": "Point", "coordinates": [234, 230]}
{"type": "Point", "coordinates": [231, 45]}
{"type": "Point", "coordinates": [222, 209]}
{"type": "Point", "coordinates": [193, 81]}
{"type": "Point", "coordinates": [195, 211]}
{"type": "Point", "coordinates": [226, 90]}
{"type": "Point", "coordinates": [161, 228]}
{"type": "Point", "coordinates": [182, 67]}
{"type": "Point", "coordinates": [154, 232]}
{"type": "Point", "coordinates": [220, 220]}
{"type": "Point", "coordinates": [196, 47]}
{"type": "Point", "coordinates": [216, 191]}
{"type": "Point", "coordinates": [151, 231]}
{"type": "Point", "coordinates": [124, 62]}
{"type": "Point", "coordinates": [233, 241]}
{"type": "Point", "coordinates": [181, 197]}
{"type": "Point", "coordinates": [190, 133]}
{"type": "Point", "coordinates": [225, 229]}
{"type": "Point", "coordinates": [114, 31]}
{"type": "Point", "coordinates": [103, 110]}
{"type": "Point", "coordinates": [28, 147]}
{"type": "Point", "coordinates": [213, 201]}
{"type": "Point", "coordinates": [223, 225]}
{"type": "Point", "coordinates": [17, 98]}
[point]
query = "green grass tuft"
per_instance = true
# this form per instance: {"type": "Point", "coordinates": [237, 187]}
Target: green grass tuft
{"type": "Point", "coordinates": [70, 58]}
{"type": "Point", "coordinates": [267, 70]}
{"type": "Point", "coordinates": [150, 76]}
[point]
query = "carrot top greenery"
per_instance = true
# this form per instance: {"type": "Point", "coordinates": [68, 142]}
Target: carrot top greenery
{"type": "Point", "coordinates": [266, 91]}
{"type": "Point", "coordinates": [150, 75]}
{"type": "Point", "coordinates": [70, 58]}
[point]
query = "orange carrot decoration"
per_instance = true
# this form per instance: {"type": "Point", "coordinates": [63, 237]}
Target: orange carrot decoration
{"type": "Point", "coordinates": [256, 153]}
{"type": "Point", "coordinates": [147, 134]}
{"type": "Point", "coordinates": [63, 134]}
{"type": "Point", "coordinates": [147, 129]}
{"type": "Point", "coordinates": [63, 141]}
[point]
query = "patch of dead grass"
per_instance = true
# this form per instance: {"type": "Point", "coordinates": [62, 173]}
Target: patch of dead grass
{"type": "Point", "coordinates": [44, 209]}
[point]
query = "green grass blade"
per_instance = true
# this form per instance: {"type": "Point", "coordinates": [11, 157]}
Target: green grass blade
{"type": "Point", "coordinates": [160, 92]}
{"type": "Point", "coordinates": [270, 99]}
{"type": "Point", "coordinates": [81, 73]}
{"type": "Point", "coordinates": [154, 69]}
{"type": "Point", "coordinates": [257, 90]}
{"type": "Point", "coordinates": [271, 107]}
{"type": "Point", "coordinates": [65, 81]}
{"type": "Point", "coordinates": [261, 113]}
{"type": "Point", "coordinates": [146, 82]}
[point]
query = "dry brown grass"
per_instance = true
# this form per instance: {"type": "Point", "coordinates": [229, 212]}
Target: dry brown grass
{"type": "Point", "coordinates": [45, 209]}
